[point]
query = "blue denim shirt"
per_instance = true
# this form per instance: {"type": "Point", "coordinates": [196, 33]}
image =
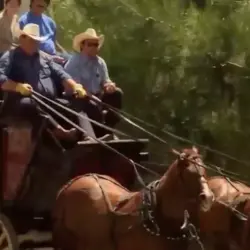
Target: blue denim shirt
{"type": "Point", "coordinates": [92, 73]}
{"type": "Point", "coordinates": [47, 28]}
{"type": "Point", "coordinates": [41, 73]}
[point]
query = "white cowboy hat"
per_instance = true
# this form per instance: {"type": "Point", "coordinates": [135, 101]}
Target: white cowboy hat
{"type": "Point", "coordinates": [33, 31]}
{"type": "Point", "coordinates": [88, 34]}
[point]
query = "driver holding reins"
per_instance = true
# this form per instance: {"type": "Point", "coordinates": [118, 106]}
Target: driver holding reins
{"type": "Point", "coordinates": [25, 69]}
{"type": "Point", "coordinates": [90, 70]}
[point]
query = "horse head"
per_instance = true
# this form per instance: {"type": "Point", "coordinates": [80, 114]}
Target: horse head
{"type": "Point", "coordinates": [192, 176]}
{"type": "Point", "coordinates": [184, 185]}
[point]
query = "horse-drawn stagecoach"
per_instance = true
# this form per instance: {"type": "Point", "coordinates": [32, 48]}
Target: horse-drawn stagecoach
{"type": "Point", "coordinates": [33, 171]}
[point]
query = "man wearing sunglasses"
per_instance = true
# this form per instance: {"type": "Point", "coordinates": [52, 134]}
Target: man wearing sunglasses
{"type": "Point", "coordinates": [90, 70]}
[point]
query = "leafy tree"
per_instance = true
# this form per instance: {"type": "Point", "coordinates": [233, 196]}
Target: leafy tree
{"type": "Point", "coordinates": [184, 69]}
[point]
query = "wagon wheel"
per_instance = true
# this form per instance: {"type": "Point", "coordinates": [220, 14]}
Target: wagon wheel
{"type": "Point", "coordinates": [8, 237]}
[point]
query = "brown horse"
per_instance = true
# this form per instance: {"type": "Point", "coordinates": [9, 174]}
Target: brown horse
{"type": "Point", "coordinates": [95, 212]}
{"type": "Point", "coordinates": [225, 226]}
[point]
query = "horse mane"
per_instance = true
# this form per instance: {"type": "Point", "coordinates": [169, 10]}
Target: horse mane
{"type": "Point", "coordinates": [170, 169]}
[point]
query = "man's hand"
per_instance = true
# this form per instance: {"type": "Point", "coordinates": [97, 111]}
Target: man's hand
{"type": "Point", "coordinates": [79, 90]}
{"type": "Point", "coordinates": [109, 87]}
{"type": "Point", "coordinates": [58, 59]}
{"type": "Point", "coordinates": [24, 89]}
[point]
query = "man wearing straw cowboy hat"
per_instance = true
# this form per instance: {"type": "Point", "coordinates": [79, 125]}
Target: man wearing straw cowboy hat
{"type": "Point", "coordinates": [47, 26]}
{"type": "Point", "coordinates": [90, 70]}
{"type": "Point", "coordinates": [25, 69]}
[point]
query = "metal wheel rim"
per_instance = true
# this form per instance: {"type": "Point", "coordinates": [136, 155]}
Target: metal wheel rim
{"type": "Point", "coordinates": [6, 233]}
{"type": "Point", "coordinates": [5, 241]}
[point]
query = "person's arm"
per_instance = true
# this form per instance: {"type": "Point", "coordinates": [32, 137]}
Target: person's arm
{"type": "Point", "coordinates": [21, 22]}
{"type": "Point", "coordinates": [72, 68]}
{"type": "Point", "coordinates": [15, 32]}
{"type": "Point", "coordinates": [108, 85]}
{"type": "Point", "coordinates": [53, 27]}
{"type": "Point", "coordinates": [106, 78]}
{"type": "Point", "coordinates": [64, 77]}
{"type": "Point", "coordinates": [5, 35]}
{"type": "Point", "coordinates": [69, 84]}
{"type": "Point", "coordinates": [5, 83]}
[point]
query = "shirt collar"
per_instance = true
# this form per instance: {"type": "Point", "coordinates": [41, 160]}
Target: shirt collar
{"type": "Point", "coordinates": [85, 58]}
{"type": "Point", "coordinates": [32, 15]}
{"type": "Point", "coordinates": [21, 52]}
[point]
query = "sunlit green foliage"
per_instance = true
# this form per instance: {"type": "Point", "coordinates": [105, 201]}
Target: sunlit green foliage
{"type": "Point", "coordinates": [172, 63]}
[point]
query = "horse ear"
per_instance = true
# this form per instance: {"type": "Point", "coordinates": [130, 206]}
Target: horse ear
{"type": "Point", "coordinates": [195, 149]}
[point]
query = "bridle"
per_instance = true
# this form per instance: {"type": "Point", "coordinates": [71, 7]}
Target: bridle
{"type": "Point", "coordinates": [188, 231]}
{"type": "Point", "coordinates": [198, 168]}
{"type": "Point", "coordinates": [148, 219]}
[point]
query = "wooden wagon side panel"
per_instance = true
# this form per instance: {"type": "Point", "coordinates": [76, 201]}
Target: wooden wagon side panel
{"type": "Point", "coordinates": [17, 150]}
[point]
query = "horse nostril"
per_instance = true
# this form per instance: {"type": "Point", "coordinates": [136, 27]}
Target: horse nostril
{"type": "Point", "coordinates": [203, 196]}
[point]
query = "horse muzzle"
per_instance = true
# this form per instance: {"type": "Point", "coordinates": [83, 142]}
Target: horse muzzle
{"type": "Point", "coordinates": [206, 200]}
{"type": "Point", "coordinates": [206, 196]}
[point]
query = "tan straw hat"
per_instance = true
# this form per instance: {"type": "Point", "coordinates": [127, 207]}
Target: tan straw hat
{"type": "Point", "coordinates": [88, 34]}
{"type": "Point", "coordinates": [32, 30]}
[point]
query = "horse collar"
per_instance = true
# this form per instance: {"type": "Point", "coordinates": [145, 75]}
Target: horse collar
{"type": "Point", "coordinates": [148, 217]}
{"type": "Point", "coordinates": [149, 202]}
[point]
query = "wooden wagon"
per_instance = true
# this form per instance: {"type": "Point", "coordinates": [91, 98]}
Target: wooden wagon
{"type": "Point", "coordinates": [32, 172]}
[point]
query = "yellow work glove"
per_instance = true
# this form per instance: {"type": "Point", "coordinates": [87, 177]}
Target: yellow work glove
{"type": "Point", "coordinates": [79, 90]}
{"type": "Point", "coordinates": [24, 89]}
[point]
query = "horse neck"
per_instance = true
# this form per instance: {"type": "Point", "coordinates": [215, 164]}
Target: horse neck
{"type": "Point", "coordinates": [170, 194]}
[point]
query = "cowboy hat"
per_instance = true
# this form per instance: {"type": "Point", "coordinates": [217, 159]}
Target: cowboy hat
{"type": "Point", "coordinates": [33, 31]}
{"type": "Point", "coordinates": [88, 34]}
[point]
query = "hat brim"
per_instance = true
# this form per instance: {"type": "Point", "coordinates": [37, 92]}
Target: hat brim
{"type": "Point", "coordinates": [78, 39]}
{"type": "Point", "coordinates": [36, 38]}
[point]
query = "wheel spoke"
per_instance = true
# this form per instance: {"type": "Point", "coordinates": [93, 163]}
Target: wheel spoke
{"type": "Point", "coordinates": [8, 237]}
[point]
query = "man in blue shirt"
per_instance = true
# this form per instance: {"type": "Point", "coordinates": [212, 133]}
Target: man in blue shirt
{"type": "Point", "coordinates": [25, 69]}
{"type": "Point", "coordinates": [90, 70]}
{"type": "Point", "coordinates": [46, 24]}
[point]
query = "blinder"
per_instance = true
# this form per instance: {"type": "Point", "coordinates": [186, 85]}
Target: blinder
{"type": "Point", "coordinates": [185, 160]}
